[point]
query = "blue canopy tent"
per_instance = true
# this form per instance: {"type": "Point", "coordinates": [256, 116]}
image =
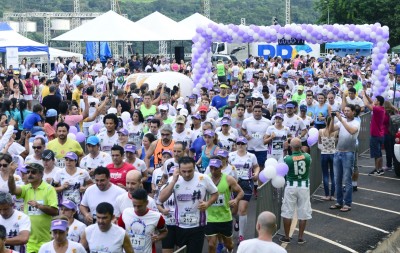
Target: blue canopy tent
{"type": "Point", "coordinates": [343, 48]}
{"type": "Point", "coordinates": [10, 38]}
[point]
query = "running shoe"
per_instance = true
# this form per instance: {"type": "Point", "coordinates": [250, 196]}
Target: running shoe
{"type": "Point", "coordinates": [373, 173]}
{"type": "Point", "coordinates": [220, 247]}
{"type": "Point", "coordinates": [381, 172]}
{"type": "Point", "coordinates": [236, 226]}
{"type": "Point", "coordinates": [284, 239]}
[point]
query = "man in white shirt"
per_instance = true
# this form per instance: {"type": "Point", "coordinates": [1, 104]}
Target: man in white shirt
{"type": "Point", "coordinates": [130, 157]}
{"type": "Point", "coordinates": [38, 147]}
{"type": "Point", "coordinates": [102, 191]}
{"type": "Point", "coordinates": [95, 158]}
{"type": "Point", "coordinates": [180, 133]}
{"type": "Point", "coordinates": [49, 164]}
{"type": "Point", "coordinates": [17, 224]}
{"type": "Point", "coordinates": [101, 82]}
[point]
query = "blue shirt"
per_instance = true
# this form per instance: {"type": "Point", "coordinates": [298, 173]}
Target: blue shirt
{"type": "Point", "coordinates": [17, 117]}
{"type": "Point", "coordinates": [219, 101]}
{"type": "Point", "coordinates": [196, 147]}
{"type": "Point", "coordinates": [31, 120]}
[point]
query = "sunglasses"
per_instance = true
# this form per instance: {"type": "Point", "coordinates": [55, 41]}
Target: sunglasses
{"type": "Point", "coordinates": [36, 147]}
{"type": "Point", "coordinates": [3, 165]}
{"type": "Point", "coordinates": [240, 143]}
{"type": "Point", "coordinates": [165, 134]}
{"type": "Point", "coordinates": [33, 172]}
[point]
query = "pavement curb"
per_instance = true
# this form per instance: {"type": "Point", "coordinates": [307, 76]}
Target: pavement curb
{"type": "Point", "coordinates": [391, 244]}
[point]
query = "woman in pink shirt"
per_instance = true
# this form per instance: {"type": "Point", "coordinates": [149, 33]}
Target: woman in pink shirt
{"type": "Point", "coordinates": [29, 84]}
{"type": "Point", "coordinates": [174, 66]}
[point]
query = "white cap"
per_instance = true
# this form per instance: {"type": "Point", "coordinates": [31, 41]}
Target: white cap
{"type": "Point", "coordinates": [163, 107]}
{"type": "Point", "coordinates": [232, 97]}
{"type": "Point", "coordinates": [184, 112]}
{"type": "Point", "coordinates": [321, 81]}
{"type": "Point", "coordinates": [112, 110]}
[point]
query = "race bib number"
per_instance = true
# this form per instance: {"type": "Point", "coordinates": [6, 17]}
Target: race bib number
{"type": "Point", "coordinates": [138, 241]}
{"type": "Point", "coordinates": [277, 148]}
{"type": "Point", "coordinates": [170, 220]}
{"type": "Point", "coordinates": [256, 135]}
{"type": "Point", "coordinates": [220, 201]}
{"type": "Point", "coordinates": [242, 173]}
{"type": "Point", "coordinates": [106, 148]}
{"type": "Point", "coordinates": [35, 211]}
{"type": "Point", "coordinates": [60, 163]}
{"type": "Point", "coordinates": [189, 219]}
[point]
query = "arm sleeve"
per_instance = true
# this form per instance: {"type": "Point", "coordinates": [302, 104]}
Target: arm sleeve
{"type": "Point", "coordinates": [52, 197]}
{"type": "Point", "coordinates": [6, 137]}
{"type": "Point", "coordinates": [161, 223]}
{"type": "Point", "coordinates": [25, 224]}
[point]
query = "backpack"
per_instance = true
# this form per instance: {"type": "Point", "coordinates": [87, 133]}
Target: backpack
{"type": "Point", "coordinates": [394, 124]}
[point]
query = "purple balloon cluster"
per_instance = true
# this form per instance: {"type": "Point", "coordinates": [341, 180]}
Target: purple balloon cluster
{"type": "Point", "coordinates": [79, 136]}
{"type": "Point", "coordinates": [201, 52]}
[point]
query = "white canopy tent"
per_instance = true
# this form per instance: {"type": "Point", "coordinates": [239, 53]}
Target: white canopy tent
{"type": "Point", "coordinates": [193, 21]}
{"type": "Point", "coordinates": [109, 27]}
{"type": "Point", "coordinates": [166, 28]}
{"type": "Point", "coordinates": [54, 53]}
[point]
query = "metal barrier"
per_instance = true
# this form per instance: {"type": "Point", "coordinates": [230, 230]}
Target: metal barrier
{"type": "Point", "coordinates": [364, 135]}
{"type": "Point", "coordinates": [181, 250]}
{"type": "Point", "coordinates": [315, 169]}
{"type": "Point", "coordinates": [269, 199]}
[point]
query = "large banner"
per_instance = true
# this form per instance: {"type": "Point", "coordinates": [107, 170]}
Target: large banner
{"type": "Point", "coordinates": [285, 51]}
{"type": "Point", "coordinates": [12, 57]}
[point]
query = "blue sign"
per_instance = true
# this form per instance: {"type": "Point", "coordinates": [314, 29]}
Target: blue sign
{"type": "Point", "coordinates": [284, 51]}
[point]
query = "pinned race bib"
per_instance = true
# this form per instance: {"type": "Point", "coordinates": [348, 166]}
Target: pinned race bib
{"type": "Point", "coordinates": [35, 211]}
{"type": "Point", "coordinates": [189, 219]}
{"type": "Point", "coordinates": [220, 201]}
{"type": "Point", "coordinates": [138, 242]}
{"type": "Point", "coordinates": [60, 163]}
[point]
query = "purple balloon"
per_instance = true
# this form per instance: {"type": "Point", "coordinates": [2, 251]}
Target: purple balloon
{"type": "Point", "coordinates": [311, 141]}
{"type": "Point", "coordinates": [80, 137]}
{"type": "Point", "coordinates": [96, 128]}
{"type": "Point", "coordinates": [73, 130]}
{"type": "Point", "coordinates": [262, 177]}
{"type": "Point", "coordinates": [281, 169]}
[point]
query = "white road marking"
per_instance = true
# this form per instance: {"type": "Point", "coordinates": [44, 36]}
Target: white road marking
{"type": "Point", "coordinates": [388, 193]}
{"type": "Point", "coordinates": [330, 241]}
{"type": "Point", "coordinates": [369, 206]}
{"type": "Point", "coordinates": [352, 221]}
{"type": "Point", "coordinates": [392, 178]}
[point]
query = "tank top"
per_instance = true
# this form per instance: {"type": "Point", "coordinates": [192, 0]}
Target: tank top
{"type": "Point", "coordinates": [328, 145]}
{"type": "Point", "coordinates": [220, 211]}
{"type": "Point", "coordinates": [158, 152]}
{"type": "Point", "coordinates": [205, 160]}
{"type": "Point", "coordinates": [220, 69]}
{"type": "Point", "coordinates": [320, 111]}
{"type": "Point", "coordinates": [146, 112]}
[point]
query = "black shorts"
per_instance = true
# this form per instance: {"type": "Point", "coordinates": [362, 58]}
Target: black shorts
{"type": "Point", "coordinates": [247, 187]}
{"type": "Point", "coordinates": [170, 241]}
{"type": "Point", "coordinates": [193, 238]}
{"type": "Point", "coordinates": [219, 228]}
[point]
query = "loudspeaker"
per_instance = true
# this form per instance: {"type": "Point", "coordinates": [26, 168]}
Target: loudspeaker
{"type": "Point", "coordinates": [398, 69]}
{"type": "Point", "coordinates": [179, 54]}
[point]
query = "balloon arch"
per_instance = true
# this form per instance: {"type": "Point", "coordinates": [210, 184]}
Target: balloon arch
{"type": "Point", "coordinates": [205, 35]}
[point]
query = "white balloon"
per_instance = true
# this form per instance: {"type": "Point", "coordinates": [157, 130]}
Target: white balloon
{"type": "Point", "coordinates": [270, 172]}
{"type": "Point", "coordinates": [270, 162]}
{"type": "Point", "coordinates": [91, 131]}
{"type": "Point", "coordinates": [279, 36]}
{"type": "Point", "coordinates": [278, 182]}
{"type": "Point", "coordinates": [313, 132]}
{"type": "Point", "coordinates": [71, 136]}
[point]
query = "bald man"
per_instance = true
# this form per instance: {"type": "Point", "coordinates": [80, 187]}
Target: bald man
{"type": "Point", "coordinates": [123, 201]}
{"type": "Point", "coordinates": [266, 227]}
{"type": "Point", "coordinates": [297, 191]}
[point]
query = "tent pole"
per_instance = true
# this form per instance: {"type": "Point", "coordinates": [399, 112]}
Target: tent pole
{"type": "Point", "coordinates": [100, 50]}
{"type": "Point", "coordinates": [142, 55]}
{"type": "Point", "coordinates": [170, 50]}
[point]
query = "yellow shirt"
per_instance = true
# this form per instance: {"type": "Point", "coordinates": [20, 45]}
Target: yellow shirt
{"type": "Point", "coordinates": [60, 150]}
{"type": "Point", "coordinates": [45, 91]}
{"type": "Point", "coordinates": [76, 95]}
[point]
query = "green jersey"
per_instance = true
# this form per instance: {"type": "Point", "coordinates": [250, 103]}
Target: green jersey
{"type": "Point", "coordinates": [221, 69]}
{"type": "Point", "coordinates": [220, 210]}
{"type": "Point", "coordinates": [299, 168]}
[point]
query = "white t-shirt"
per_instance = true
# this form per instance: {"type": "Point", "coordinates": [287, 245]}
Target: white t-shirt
{"type": "Point", "coordinates": [72, 65]}
{"type": "Point", "coordinates": [275, 147]}
{"type": "Point", "coordinates": [34, 70]}
{"type": "Point", "coordinates": [168, 164]}
{"type": "Point", "coordinates": [235, 71]}
{"type": "Point", "coordinates": [93, 196]}
{"type": "Point", "coordinates": [22, 69]}
{"type": "Point", "coordinates": [346, 141]}
{"type": "Point", "coordinates": [4, 183]}
{"type": "Point", "coordinates": [100, 84]}
{"type": "Point", "coordinates": [294, 123]}
{"type": "Point", "coordinates": [140, 165]}
{"type": "Point", "coordinates": [105, 242]}
{"type": "Point", "coordinates": [17, 223]}
{"type": "Point", "coordinates": [256, 129]}
{"type": "Point", "coordinates": [141, 228]}
{"type": "Point", "coordinates": [75, 181]}
{"type": "Point", "coordinates": [135, 133]}
{"type": "Point", "coordinates": [107, 142]}
{"type": "Point", "coordinates": [259, 246]}
{"type": "Point", "coordinates": [74, 247]}
{"type": "Point", "coordinates": [32, 159]}
{"type": "Point", "coordinates": [243, 164]}
{"type": "Point", "coordinates": [102, 159]}
{"type": "Point", "coordinates": [186, 136]}
{"type": "Point", "coordinates": [356, 101]}
{"type": "Point", "coordinates": [49, 177]}
{"type": "Point", "coordinates": [124, 201]}
{"type": "Point", "coordinates": [188, 195]}
{"type": "Point", "coordinates": [227, 141]}
{"type": "Point", "coordinates": [75, 231]}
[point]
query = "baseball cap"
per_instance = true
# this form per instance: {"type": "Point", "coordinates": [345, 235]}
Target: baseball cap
{"type": "Point", "coordinates": [123, 131]}
{"type": "Point", "coordinates": [300, 87]}
{"type": "Point", "coordinates": [51, 113]}
{"type": "Point", "coordinates": [215, 163]}
{"type": "Point", "coordinates": [71, 155]}
{"type": "Point", "coordinates": [203, 108]}
{"type": "Point", "coordinates": [163, 107]}
{"type": "Point", "coordinates": [167, 151]}
{"type": "Point", "coordinates": [234, 87]}
{"type": "Point", "coordinates": [48, 154]}
{"type": "Point", "coordinates": [285, 75]}
{"type": "Point", "coordinates": [22, 169]}
{"type": "Point", "coordinates": [223, 153]}
{"type": "Point", "coordinates": [282, 107]}
{"type": "Point", "coordinates": [59, 225]}
{"type": "Point", "coordinates": [232, 98]}
{"type": "Point", "coordinates": [192, 96]}
{"type": "Point", "coordinates": [225, 122]}
{"type": "Point", "coordinates": [321, 81]}
{"type": "Point", "coordinates": [180, 119]}
{"type": "Point", "coordinates": [241, 139]}
{"type": "Point", "coordinates": [150, 117]}
{"type": "Point", "coordinates": [35, 166]}
{"type": "Point", "coordinates": [303, 108]}
{"type": "Point", "coordinates": [279, 115]}
{"type": "Point", "coordinates": [93, 140]}
{"type": "Point", "coordinates": [223, 86]}
{"type": "Point", "coordinates": [130, 148]}
{"type": "Point", "coordinates": [209, 132]}
{"type": "Point", "coordinates": [196, 116]}
{"type": "Point", "coordinates": [290, 105]}
{"type": "Point", "coordinates": [184, 112]}
{"type": "Point", "coordinates": [112, 110]}
{"type": "Point", "coordinates": [69, 204]}
{"type": "Point", "coordinates": [78, 82]}
{"type": "Point", "coordinates": [16, 72]}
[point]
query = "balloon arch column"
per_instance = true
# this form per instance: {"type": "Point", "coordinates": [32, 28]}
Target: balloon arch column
{"type": "Point", "coordinates": [205, 35]}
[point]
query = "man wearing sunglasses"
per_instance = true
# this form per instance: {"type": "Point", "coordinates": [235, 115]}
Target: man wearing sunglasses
{"type": "Point", "coordinates": [38, 147]}
{"type": "Point", "coordinates": [40, 203]}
